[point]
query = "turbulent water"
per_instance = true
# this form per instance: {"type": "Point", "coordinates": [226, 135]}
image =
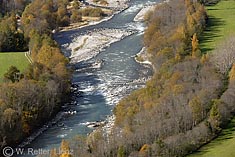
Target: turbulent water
{"type": "Point", "coordinates": [103, 87]}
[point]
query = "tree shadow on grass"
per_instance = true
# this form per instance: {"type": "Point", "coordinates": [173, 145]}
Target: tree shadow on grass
{"type": "Point", "coordinates": [227, 133]}
{"type": "Point", "coordinates": [212, 31]}
{"type": "Point", "coordinates": [213, 9]}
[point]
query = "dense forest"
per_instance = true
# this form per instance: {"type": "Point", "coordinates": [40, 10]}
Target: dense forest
{"type": "Point", "coordinates": [11, 38]}
{"type": "Point", "coordinates": [185, 104]}
{"type": "Point", "coordinates": [28, 99]}
{"type": "Point", "coordinates": [19, 23]}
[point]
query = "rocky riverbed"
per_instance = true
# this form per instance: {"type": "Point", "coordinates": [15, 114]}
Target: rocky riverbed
{"type": "Point", "coordinates": [114, 4]}
{"type": "Point", "coordinates": [87, 46]}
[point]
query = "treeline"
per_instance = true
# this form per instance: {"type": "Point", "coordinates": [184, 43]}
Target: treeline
{"type": "Point", "coordinates": [28, 99]}
{"type": "Point", "coordinates": [11, 38]}
{"type": "Point", "coordinates": [7, 6]}
{"type": "Point", "coordinates": [42, 16]}
{"type": "Point", "coordinates": [186, 103]}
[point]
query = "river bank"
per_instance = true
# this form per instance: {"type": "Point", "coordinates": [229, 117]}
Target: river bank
{"type": "Point", "coordinates": [110, 9]}
{"type": "Point", "coordinates": [142, 57]}
{"type": "Point", "coordinates": [140, 17]}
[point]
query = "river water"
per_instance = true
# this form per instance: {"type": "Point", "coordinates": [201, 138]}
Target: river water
{"type": "Point", "coordinates": [101, 87]}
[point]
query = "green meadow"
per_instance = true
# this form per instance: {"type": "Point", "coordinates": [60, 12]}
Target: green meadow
{"type": "Point", "coordinates": [8, 59]}
{"type": "Point", "coordinates": [221, 24]}
{"type": "Point", "coordinates": [222, 146]}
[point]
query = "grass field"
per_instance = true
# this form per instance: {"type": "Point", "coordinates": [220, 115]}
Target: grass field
{"type": "Point", "coordinates": [220, 25]}
{"type": "Point", "coordinates": [223, 146]}
{"type": "Point", "coordinates": [17, 59]}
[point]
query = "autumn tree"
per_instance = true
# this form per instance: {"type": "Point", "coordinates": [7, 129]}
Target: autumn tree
{"type": "Point", "coordinates": [232, 73]}
{"type": "Point", "coordinates": [13, 74]}
{"type": "Point", "coordinates": [223, 56]}
{"type": "Point", "coordinates": [11, 39]}
{"type": "Point", "coordinates": [62, 17]}
{"type": "Point", "coordinates": [54, 153]}
{"type": "Point", "coordinates": [76, 17]}
{"type": "Point", "coordinates": [76, 4]}
{"type": "Point", "coordinates": [204, 58]}
{"type": "Point", "coordinates": [197, 109]}
{"type": "Point", "coordinates": [65, 149]}
{"type": "Point", "coordinates": [121, 152]}
{"type": "Point", "coordinates": [215, 117]}
{"type": "Point", "coordinates": [196, 53]}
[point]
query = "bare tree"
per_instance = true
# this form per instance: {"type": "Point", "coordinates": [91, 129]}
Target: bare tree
{"type": "Point", "coordinates": [224, 56]}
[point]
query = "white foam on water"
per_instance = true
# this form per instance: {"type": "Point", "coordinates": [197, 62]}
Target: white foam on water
{"type": "Point", "coordinates": [141, 33]}
{"type": "Point", "coordinates": [86, 101]}
{"type": "Point", "coordinates": [88, 89]}
{"type": "Point", "coordinates": [80, 74]}
{"type": "Point", "coordinates": [139, 26]}
{"type": "Point", "coordinates": [62, 136]}
{"type": "Point", "coordinates": [115, 54]}
{"type": "Point", "coordinates": [133, 9]}
{"type": "Point", "coordinates": [86, 106]}
{"type": "Point", "coordinates": [84, 123]}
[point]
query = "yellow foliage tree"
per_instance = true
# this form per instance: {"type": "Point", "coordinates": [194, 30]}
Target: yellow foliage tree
{"type": "Point", "coordinates": [50, 56]}
{"type": "Point", "coordinates": [215, 117]}
{"type": "Point", "coordinates": [121, 152]}
{"type": "Point", "coordinates": [64, 149]}
{"type": "Point", "coordinates": [190, 23]}
{"type": "Point", "coordinates": [177, 89]}
{"type": "Point", "coordinates": [60, 70]}
{"type": "Point", "coordinates": [53, 153]}
{"type": "Point", "coordinates": [232, 73]}
{"type": "Point", "coordinates": [197, 109]}
{"type": "Point", "coordinates": [144, 151]}
{"type": "Point", "coordinates": [204, 58]}
{"type": "Point", "coordinates": [144, 148]}
{"type": "Point", "coordinates": [195, 47]}
{"type": "Point", "coordinates": [177, 57]}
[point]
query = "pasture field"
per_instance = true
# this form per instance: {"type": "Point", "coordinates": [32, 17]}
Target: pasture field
{"type": "Point", "coordinates": [8, 59]}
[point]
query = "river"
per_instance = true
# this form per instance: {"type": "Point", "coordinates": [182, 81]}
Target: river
{"type": "Point", "coordinates": [101, 87]}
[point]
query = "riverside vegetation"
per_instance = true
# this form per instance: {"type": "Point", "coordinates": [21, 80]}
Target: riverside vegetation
{"type": "Point", "coordinates": [34, 94]}
{"type": "Point", "coordinates": [223, 145]}
{"type": "Point", "coordinates": [187, 102]}
{"type": "Point", "coordinates": [29, 98]}
{"type": "Point", "coordinates": [13, 38]}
